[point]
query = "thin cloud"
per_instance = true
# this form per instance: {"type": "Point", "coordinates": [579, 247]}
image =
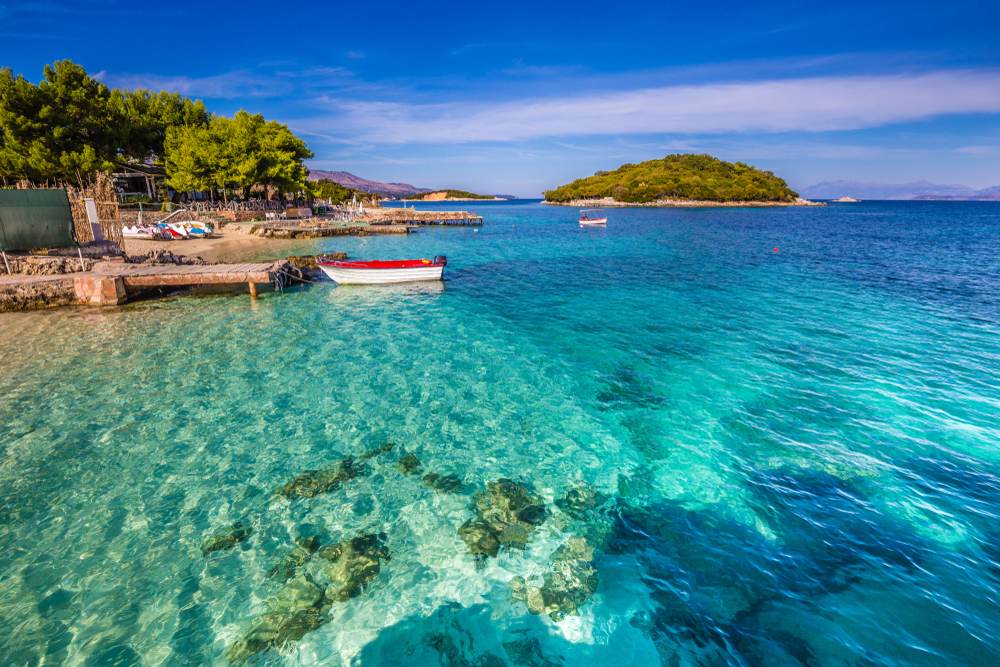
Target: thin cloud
{"type": "Point", "coordinates": [355, 54]}
{"type": "Point", "coordinates": [816, 104]}
{"type": "Point", "coordinates": [976, 150]}
{"type": "Point", "coordinates": [241, 83]}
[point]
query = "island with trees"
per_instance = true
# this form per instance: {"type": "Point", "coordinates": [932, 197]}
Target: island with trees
{"type": "Point", "coordinates": [448, 195]}
{"type": "Point", "coordinates": [678, 180]}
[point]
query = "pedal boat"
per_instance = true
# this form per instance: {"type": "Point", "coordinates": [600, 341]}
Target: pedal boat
{"type": "Point", "coordinates": [142, 232]}
{"type": "Point", "coordinates": [347, 272]}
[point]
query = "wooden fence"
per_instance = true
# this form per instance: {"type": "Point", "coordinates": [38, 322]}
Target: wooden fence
{"type": "Point", "coordinates": [107, 213]}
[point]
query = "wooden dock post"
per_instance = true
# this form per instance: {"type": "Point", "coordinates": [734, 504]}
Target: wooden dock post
{"type": "Point", "coordinates": [253, 289]}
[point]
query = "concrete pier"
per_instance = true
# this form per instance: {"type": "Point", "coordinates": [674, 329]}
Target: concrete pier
{"type": "Point", "coordinates": [110, 284]}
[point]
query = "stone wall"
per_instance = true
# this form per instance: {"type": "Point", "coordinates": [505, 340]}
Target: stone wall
{"type": "Point", "coordinates": [240, 216]}
{"type": "Point", "coordinates": [130, 217]}
{"type": "Point", "coordinates": [37, 295]}
{"type": "Point", "coordinates": [34, 265]}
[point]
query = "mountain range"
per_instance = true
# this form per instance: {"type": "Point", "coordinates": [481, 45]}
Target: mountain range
{"type": "Point", "coordinates": [914, 190]}
{"type": "Point", "coordinates": [349, 180]}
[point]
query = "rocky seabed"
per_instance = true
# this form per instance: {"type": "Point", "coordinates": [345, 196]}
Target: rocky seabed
{"type": "Point", "coordinates": [318, 573]}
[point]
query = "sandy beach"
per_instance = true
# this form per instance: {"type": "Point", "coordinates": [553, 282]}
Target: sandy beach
{"type": "Point", "coordinates": [225, 246]}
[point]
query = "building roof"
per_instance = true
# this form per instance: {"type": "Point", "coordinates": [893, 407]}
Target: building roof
{"type": "Point", "coordinates": [134, 169]}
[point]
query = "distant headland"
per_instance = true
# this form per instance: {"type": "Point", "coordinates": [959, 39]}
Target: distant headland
{"type": "Point", "coordinates": [679, 180]}
{"type": "Point", "coordinates": [449, 195]}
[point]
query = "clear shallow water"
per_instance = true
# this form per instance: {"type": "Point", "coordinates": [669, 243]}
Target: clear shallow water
{"type": "Point", "coordinates": [799, 451]}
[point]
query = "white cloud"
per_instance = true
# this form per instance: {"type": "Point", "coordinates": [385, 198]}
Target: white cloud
{"type": "Point", "coordinates": [816, 104]}
{"type": "Point", "coordinates": [241, 83]}
{"type": "Point", "coordinates": [266, 82]}
{"type": "Point", "coordinates": [976, 150]}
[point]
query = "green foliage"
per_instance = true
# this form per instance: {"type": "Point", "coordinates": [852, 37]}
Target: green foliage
{"type": "Point", "coordinates": [324, 188]}
{"type": "Point", "coordinates": [237, 152]}
{"type": "Point", "coordinates": [144, 116]}
{"type": "Point", "coordinates": [70, 126]}
{"type": "Point", "coordinates": [60, 129]}
{"type": "Point", "coordinates": [452, 194]}
{"type": "Point", "coordinates": [699, 177]}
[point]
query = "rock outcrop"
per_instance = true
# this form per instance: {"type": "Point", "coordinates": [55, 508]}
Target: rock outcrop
{"type": "Point", "coordinates": [506, 516]}
{"type": "Point", "coordinates": [312, 483]}
{"type": "Point", "coordinates": [303, 604]}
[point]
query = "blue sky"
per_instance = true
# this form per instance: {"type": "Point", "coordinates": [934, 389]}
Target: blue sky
{"type": "Point", "coordinates": [516, 97]}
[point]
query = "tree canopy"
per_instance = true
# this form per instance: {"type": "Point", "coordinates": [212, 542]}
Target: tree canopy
{"type": "Point", "coordinates": [326, 188]}
{"type": "Point", "coordinates": [70, 126]}
{"type": "Point", "coordinates": [59, 129]}
{"type": "Point", "coordinates": [237, 152]}
{"type": "Point", "coordinates": [145, 116]}
{"type": "Point", "coordinates": [699, 177]}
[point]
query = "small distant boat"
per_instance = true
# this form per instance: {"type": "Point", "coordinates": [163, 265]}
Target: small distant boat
{"type": "Point", "coordinates": [847, 199]}
{"type": "Point", "coordinates": [347, 272]}
{"type": "Point", "coordinates": [593, 217]}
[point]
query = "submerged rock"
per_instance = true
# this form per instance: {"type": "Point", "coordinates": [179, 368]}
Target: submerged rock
{"type": "Point", "coordinates": [506, 515]}
{"type": "Point", "coordinates": [445, 484]}
{"type": "Point", "coordinates": [568, 587]}
{"type": "Point", "coordinates": [227, 538]}
{"type": "Point", "coordinates": [302, 605]}
{"type": "Point", "coordinates": [290, 564]}
{"type": "Point", "coordinates": [527, 652]}
{"type": "Point", "coordinates": [573, 577]}
{"type": "Point", "coordinates": [480, 537]}
{"type": "Point", "coordinates": [295, 611]}
{"type": "Point", "coordinates": [353, 564]}
{"type": "Point", "coordinates": [581, 501]}
{"type": "Point", "coordinates": [311, 483]}
{"type": "Point", "coordinates": [381, 449]}
{"type": "Point", "coordinates": [410, 465]}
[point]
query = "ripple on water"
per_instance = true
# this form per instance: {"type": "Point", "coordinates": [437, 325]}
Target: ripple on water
{"type": "Point", "coordinates": [659, 443]}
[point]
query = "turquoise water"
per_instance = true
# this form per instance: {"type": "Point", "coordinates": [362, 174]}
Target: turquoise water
{"type": "Point", "coordinates": [788, 458]}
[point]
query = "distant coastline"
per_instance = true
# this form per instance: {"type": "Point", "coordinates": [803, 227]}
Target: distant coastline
{"type": "Point", "coordinates": [609, 202]}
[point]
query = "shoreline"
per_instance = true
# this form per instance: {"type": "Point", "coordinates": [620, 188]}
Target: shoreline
{"type": "Point", "coordinates": [227, 244]}
{"type": "Point", "coordinates": [609, 202]}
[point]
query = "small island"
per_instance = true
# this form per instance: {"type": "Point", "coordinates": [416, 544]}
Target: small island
{"type": "Point", "coordinates": [679, 180]}
{"type": "Point", "coordinates": [449, 195]}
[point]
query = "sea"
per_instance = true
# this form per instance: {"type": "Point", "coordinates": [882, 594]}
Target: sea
{"type": "Point", "coordinates": [746, 437]}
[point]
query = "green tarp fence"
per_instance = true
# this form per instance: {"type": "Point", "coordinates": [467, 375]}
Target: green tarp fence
{"type": "Point", "coordinates": [35, 219]}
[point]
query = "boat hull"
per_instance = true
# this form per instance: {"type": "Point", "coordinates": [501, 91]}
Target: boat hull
{"type": "Point", "coordinates": [600, 222]}
{"type": "Point", "coordinates": [349, 276]}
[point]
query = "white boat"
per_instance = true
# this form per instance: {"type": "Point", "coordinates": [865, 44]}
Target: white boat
{"type": "Point", "coordinates": [593, 217]}
{"type": "Point", "coordinates": [175, 230]}
{"type": "Point", "coordinates": [197, 229]}
{"type": "Point", "coordinates": [347, 272]}
{"type": "Point", "coordinates": [142, 232]}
